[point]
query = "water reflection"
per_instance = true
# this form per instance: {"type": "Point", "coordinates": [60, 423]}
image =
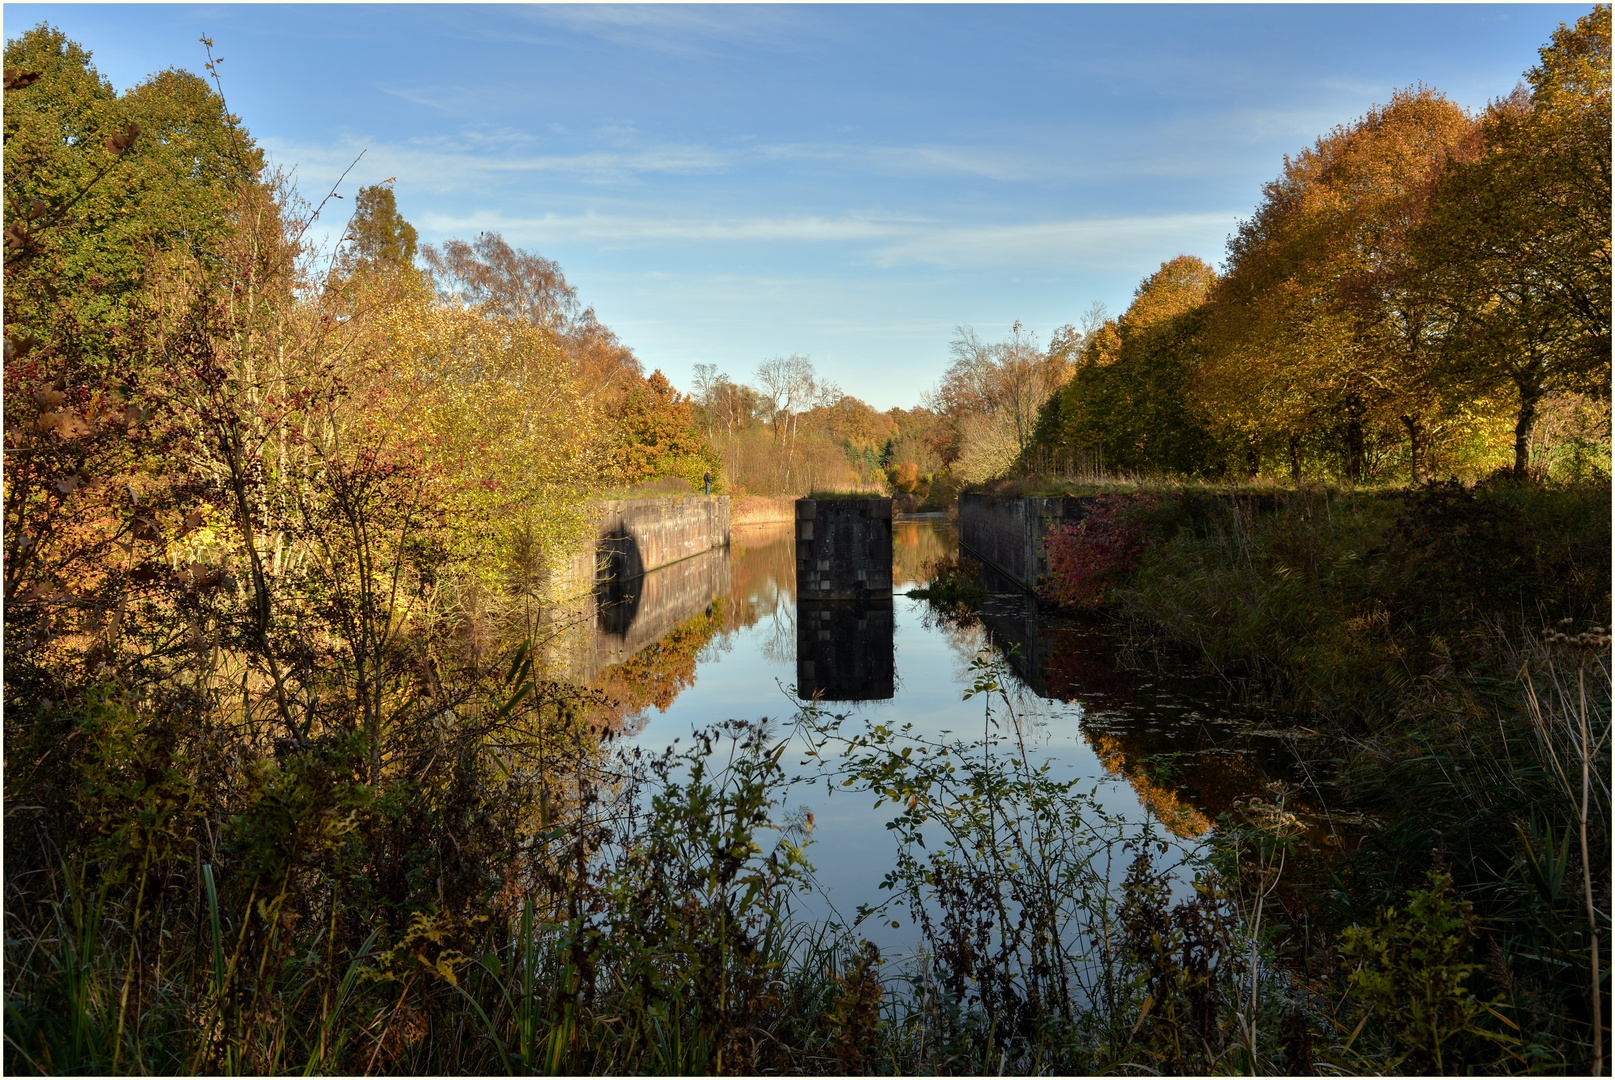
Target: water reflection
{"type": "Point", "coordinates": [1163, 746]}
{"type": "Point", "coordinates": [844, 650]}
{"type": "Point", "coordinates": [1146, 727]}
{"type": "Point", "coordinates": [641, 641]}
{"type": "Point", "coordinates": [918, 540]}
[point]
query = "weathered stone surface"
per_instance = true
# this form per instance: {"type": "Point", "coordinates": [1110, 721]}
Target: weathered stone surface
{"type": "Point", "coordinates": [1007, 534]}
{"type": "Point", "coordinates": [844, 650]}
{"type": "Point", "coordinates": [635, 536]}
{"type": "Point", "coordinates": [844, 549]}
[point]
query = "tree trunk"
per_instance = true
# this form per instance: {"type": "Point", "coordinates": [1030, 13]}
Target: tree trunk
{"type": "Point", "coordinates": [1418, 447]}
{"type": "Point", "coordinates": [1523, 426]}
{"type": "Point", "coordinates": [1295, 460]}
{"type": "Point", "coordinates": [1354, 442]}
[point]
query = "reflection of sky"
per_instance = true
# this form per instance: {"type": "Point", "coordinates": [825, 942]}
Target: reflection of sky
{"type": "Point", "coordinates": [751, 676]}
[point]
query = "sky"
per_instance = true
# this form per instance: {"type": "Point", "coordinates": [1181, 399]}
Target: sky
{"type": "Point", "coordinates": [725, 184]}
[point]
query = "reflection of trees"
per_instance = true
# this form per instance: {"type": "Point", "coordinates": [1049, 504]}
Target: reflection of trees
{"type": "Point", "coordinates": [762, 572]}
{"type": "Point", "coordinates": [915, 543]}
{"type": "Point", "coordinates": [762, 585]}
{"type": "Point", "coordinates": [1171, 757]}
{"type": "Point", "coordinates": [1179, 818]}
{"type": "Point", "coordinates": [780, 645]}
{"type": "Point", "coordinates": [657, 674]}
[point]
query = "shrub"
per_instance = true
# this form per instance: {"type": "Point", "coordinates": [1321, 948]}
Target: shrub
{"type": "Point", "coordinates": [1088, 559]}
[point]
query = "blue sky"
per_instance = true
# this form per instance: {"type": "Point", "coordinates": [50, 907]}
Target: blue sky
{"type": "Point", "coordinates": [729, 183]}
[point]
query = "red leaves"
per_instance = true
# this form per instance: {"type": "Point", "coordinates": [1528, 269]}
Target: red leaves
{"type": "Point", "coordinates": [1089, 558]}
{"type": "Point", "coordinates": [122, 144]}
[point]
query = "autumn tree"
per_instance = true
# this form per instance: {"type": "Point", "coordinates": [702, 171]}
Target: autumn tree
{"type": "Point", "coordinates": [524, 286]}
{"type": "Point", "coordinates": [726, 407]}
{"type": "Point", "coordinates": [658, 434]}
{"type": "Point", "coordinates": [1321, 323]}
{"type": "Point", "coordinates": [1130, 392]}
{"type": "Point", "coordinates": [790, 387]}
{"type": "Point", "coordinates": [1516, 247]}
{"type": "Point", "coordinates": [860, 431]}
{"type": "Point", "coordinates": [992, 395]}
{"type": "Point", "coordinates": [378, 236]}
{"type": "Point", "coordinates": [96, 183]}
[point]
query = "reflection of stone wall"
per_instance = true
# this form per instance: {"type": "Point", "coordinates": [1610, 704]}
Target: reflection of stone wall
{"type": "Point", "coordinates": [622, 617]}
{"type": "Point", "coordinates": [1013, 625]}
{"type": "Point", "coordinates": [844, 549]}
{"type": "Point", "coordinates": [1007, 534]}
{"type": "Point", "coordinates": [844, 650]}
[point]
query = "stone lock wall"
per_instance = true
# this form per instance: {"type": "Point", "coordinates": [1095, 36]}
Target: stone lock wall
{"type": "Point", "coordinates": [843, 549]}
{"type": "Point", "coordinates": [635, 536]}
{"type": "Point", "coordinates": [650, 564]}
{"type": "Point", "coordinates": [1007, 533]}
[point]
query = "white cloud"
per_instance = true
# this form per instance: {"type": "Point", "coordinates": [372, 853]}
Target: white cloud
{"type": "Point", "coordinates": [449, 164]}
{"type": "Point", "coordinates": [648, 229]}
{"type": "Point", "coordinates": [989, 162]}
{"type": "Point", "coordinates": [676, 28]}
{"type": "Point", "coordinates": [1096, 242]}
{"type": "Point", "coordinates": [884, 242]}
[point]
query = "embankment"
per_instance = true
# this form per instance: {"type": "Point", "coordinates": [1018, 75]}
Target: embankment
{"type": "Point", "coordinates": [760, 509]}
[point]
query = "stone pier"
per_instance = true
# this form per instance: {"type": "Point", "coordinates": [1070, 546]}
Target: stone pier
{"type": "Point", "coordinates": [844, 549]}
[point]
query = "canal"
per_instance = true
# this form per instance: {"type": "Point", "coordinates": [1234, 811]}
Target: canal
{"type": "Point", "coordinates": [716, 638]}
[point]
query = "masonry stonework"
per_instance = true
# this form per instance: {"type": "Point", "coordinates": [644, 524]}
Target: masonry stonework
{"type": "Point", "coordinates": [843, 549]}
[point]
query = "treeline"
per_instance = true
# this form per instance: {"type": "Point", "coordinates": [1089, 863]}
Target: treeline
{"type": "Point", "coordinates": [276, 516]}
{"type": "Point", "coordinates": [791, 432]}
{"type": "Point", "coordinates": [1421, 292]}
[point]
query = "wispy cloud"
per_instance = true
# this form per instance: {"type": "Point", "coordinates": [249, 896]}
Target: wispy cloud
{"type": "Point", "coordinates": [680, 28]}
{"type": "Point", "coordinates": [458, 163]}
{"type": "Point", "coordinates": [619, 229]}
{"type": "Point", "coordinates": [880, 241]}
{"type": "Point", "coordinates": [616, 154]}
{"type": "Point", "coordinates": [989, 162]}
{"type": "Point", "coordinates": [1119, 243]}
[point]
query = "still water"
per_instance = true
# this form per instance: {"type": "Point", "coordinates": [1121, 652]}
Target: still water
{"type": "Point", "coordinates": [717, 638]}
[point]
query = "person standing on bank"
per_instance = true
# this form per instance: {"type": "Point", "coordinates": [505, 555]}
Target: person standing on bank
{"type": "Point", "coordinates": [708, 479]}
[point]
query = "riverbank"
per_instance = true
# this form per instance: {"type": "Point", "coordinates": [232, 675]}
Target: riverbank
{"type": "Point", "coordinates": [1446, 651]}
{"type": "Point", "coordinates": [760, 509]}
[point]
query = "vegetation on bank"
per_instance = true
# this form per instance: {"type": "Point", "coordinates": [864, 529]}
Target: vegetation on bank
{"type": "Point", "coordinates": [287, 786]}
{"type": "Point", "coordinates": [1446, 650]}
